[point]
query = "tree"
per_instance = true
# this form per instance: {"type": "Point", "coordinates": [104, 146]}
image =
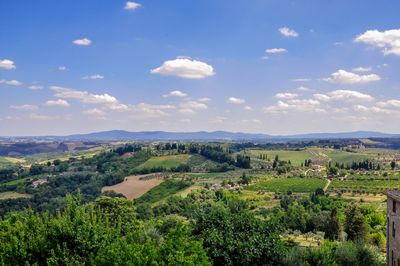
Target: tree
{"type": "Point", "coordinates": [355, 225]}
{"type": "Point", "coordinates": [393, 165]}
{"type": "Point", "coordinates": [244, 179]}
{"type": "Point", "coordinates": [334, 227]}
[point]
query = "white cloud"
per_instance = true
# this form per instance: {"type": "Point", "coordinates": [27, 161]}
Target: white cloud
{"type": "Point", "coordinates": [62, 68]}
{"type": "Point", "coordinates": [107, 100]}
{"type": "Point", "coordinates": [343, 95]}
{"type": "Point", "coordinates": [234, 100]}
{"type": "Point", "coordinates": [131, 5]}
{"type": "Point", "coordinates": [276, 50]}
{"type": "Point", "coordinates": [28, 107]}
{"type": "Point", "coordinates": [302, 88]}
{"type": "Point", "coordinates": [388, 41]}
{"type": "Point", "coordinates": [7, 64]}
{"type": "Point", "coordinates": [303, 105]}
{"type": "Point", "coordinates": [248, 108]}
{"type": "Point", "coordinates": [82, 42]}
{"type": "Point", "coordinates": [11, 82]}
{"type": "Point", "coordinates": [345, 77]}
{"type": "Point", "coordinates": [194, 105]}
{"type": "Point", "coordinates": [39, 117]}
{"type": "Point", "coordinates": [287, 32]}
{"type": "Point", "coordinates": [151, 110]}
{"type": "Point", "coordinates": [58, 102]}
{"type": "Point", "coordinates": [301, 79]}
{"type": "Point", "coordinates": [93, 77]}
{"type": "Point", "coordinates": [373, 109]}
{"type": "Point", "coordinates": [389, 104]}
{"type": "Point", "coordinates": [205, 99]}
{"type": "Point", "coordinates": [286, 95]}
{"type": "Point", "coordinates": [322, 97]}
{"type": "Point", "coordinates": [362, 69]}
{"type": "Point", "coordinates": [35, 87]}
{"type": "Point", "coordinates": [95, 112]}
{"type": "Point", "coordinates": [185, 68]}
{"type": "Point", "coordinates": [190, 107]}
{"type": "Point", "coordinates": [175, 93]}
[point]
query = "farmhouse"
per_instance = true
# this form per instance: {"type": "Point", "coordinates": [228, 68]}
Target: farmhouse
{"type": "Point", "coordinates": [39, 182]}
{"type": "Point", "coordinates": [393, 228]}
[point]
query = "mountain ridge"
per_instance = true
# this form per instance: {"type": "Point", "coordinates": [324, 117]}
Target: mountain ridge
{"type": "Point", "coordinates": [121, 135]}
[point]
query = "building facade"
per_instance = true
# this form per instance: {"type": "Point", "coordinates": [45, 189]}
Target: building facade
{"type": "Point", "coordinates": [393, 228]}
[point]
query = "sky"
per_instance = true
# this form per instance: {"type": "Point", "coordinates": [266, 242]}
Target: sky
{"type": "Point", "coordinates": [265, 66]}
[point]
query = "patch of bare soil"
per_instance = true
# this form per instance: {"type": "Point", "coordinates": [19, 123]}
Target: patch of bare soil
{"type": "Point", "coordinates": [135, 186]}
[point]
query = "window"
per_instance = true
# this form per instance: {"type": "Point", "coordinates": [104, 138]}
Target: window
{"type": "Point", "coordinates": [393, 230]}
{"type": "Point", "coordinates": [394, 206]}
{"type": "Point", "coordinates": [393, 261]}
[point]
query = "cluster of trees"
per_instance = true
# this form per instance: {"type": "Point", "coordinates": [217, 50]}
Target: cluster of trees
{"type": "Point", "coordinates": [182, 168]}
{"type": "Point", "coordinates": [280, 166]}
{"type": "Point", "coordinates": [127, 148]}
{"type": "Point", "coordinates": [105, 232]}
{"type": "Point", "coordinates": [366, 165]}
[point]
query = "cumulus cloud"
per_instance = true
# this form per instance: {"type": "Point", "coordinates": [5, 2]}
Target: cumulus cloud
{"type": "Point", "coordinates": [190, 107]}
{"type": "Point", "coordinates": [11, 82]}
{"type": "Point", "coordinates": [35, 87]}
{"type": "Point", "coordinates": [286, 95]}
{"type": "Point", "coordinates": [27, 107]}
{"type": "Point", "coordinates": [362, 69]}
{"type": "Point", "coordinates": [388, 41]}
{"type": "Point", "coordinates": [248, 108]}
{"type": "Point", "coordinates": [343, 95]}
{"type": "Point", "coordinates": [106, 100]}
{"type": "Point", "coordinates": [302, 88]}
{"type": "Point", "coordinates": [152, 110]}
{"type": "Point", "coordinates": [175, 93]}
{"type": "Point", "coordinates": [345, 77]}
{"type": "Point", "coordinates": [95, 112]}
{"type": "Point", "coordinates": [93, 77]}
{"type": "Point", "coordinates": [82, 42]}
{"type": "Point", "coordinates": [275, 50]}
{"type": "Point", "coordinates": [7, 64]}
{"type": "Point", "coordinates": [58, 102]}
{"type": "Point", "coordinates": [40, 117]}
{"type": "Point", "coordinates": [205, 99]}
{"type": "Point", "coordinates": [287, 32]}
{"type": "Point", "coordinates": [389, 104]}
{"type": "Point", "coordinates": [185, 68]}
{"type": "Point", "coordinates": [234, 100]}
{"type": "Point", "coordinates": [131, 5]}
{"type": "Point", "coordinates": [62, 68]}
{"type": "Point", "coordinates": [301, 79]}
{"type": "Point", "coordinates": [303, 105]}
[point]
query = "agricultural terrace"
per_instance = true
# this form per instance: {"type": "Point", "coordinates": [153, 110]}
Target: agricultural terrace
{"type": "Point", "coordinates": [294, 184]}
{"type": "Point", "coordinates": [167, 162]}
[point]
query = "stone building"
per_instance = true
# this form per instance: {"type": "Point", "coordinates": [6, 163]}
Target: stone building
{"type": "Point", "coordinates": [393, 228]}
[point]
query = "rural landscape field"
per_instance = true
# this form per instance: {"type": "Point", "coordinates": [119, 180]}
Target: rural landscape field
{"type": "Point", "coordinates": [202, 132]}
{"type": "Point", "coordinates": [319, 196]}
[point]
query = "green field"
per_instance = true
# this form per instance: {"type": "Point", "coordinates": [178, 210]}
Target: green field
{"type": "Point", "coordinates": [15, 182]}
{"type": "Point", "coordinates": [168, 161]}
{"type": "Point", "coordinates": [13, 195]}
{"type": "Point", "coordinates": [367, 185]}
{"type": "Point", "coordinates": [289, 184]}
{"type": "Point", "coordinates": [296, 157]}
{"type": "Point", "coordinates": [339, 156]}
{"type": "Point", "coordinates": [8, 161]}
{"type": "Point", "coordinates": [162, 191]}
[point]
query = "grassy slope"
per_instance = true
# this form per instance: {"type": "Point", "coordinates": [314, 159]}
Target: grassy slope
{"type": "Point", "coordinates": [165, 189]}
{"type": "Point", "coordinates": [288, 184]}
{"type": "Point", "coordinates": [165, 161]}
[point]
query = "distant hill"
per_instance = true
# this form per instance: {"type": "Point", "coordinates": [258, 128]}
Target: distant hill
{"type": "Point", "coordinates": [121, 135]}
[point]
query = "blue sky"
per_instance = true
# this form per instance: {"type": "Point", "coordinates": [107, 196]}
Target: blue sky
{"type": "Point", "coordinates": [277, 67]}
